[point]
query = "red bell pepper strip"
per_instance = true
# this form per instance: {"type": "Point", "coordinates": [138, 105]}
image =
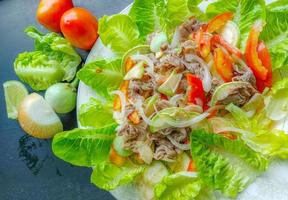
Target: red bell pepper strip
{"type": "Point", "coordinates": [265, 58]}
{"type": "Point", "coordinates": [191, 167]}
{"type": "Point", "coordinates": [251, 54]}
{"type": "Point", "coordinates": [217, 39]}
{"type": "Point", "coordinates": [219, 21]}
{"type": "Point", "coordinates": [203, 41]}
{"type": "Point", "coordinates": [195, 90]}
{"type": "Point", "coordinates": [223, 64]}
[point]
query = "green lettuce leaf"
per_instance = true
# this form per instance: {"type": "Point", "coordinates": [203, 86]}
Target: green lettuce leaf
{"type": "Point", "coordinates": [84, 147]}
{"type": "Point", "coordinates": [246, 12]}
{"type": "Point", "coordinates": [119, 32]}
{"type": "Point", "coordinates": [180, 186]}
{"type": "Point", "coordinates": [96, 114]}
{"type": "Point", "coordinates": [275, 35]}
{"type": "Point", "coordinates": [108, 176]}
{"type": "Point", "coordinates": [224, 164]}
{"type": "Point", "coordinates": [102, 76]}
{"type": "Point", "coordinates": [279, 5]}
{"type": "Point", "coordinates": [177, 12]}
{"type": "Point", "coordinates": [53, 60]}
{"type": "Point", "coordinates": [195, 11]}
{"type": "Point", "coordinates": [149, 15]}
{"type": "Point", "coordinates": [258, 134]}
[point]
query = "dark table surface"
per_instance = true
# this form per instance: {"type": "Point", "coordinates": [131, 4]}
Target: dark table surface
{"type": "Point", "coordinates": [28, 168]}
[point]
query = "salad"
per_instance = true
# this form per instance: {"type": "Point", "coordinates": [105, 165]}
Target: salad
{"type": "Point", "coordinates": [191, 104]}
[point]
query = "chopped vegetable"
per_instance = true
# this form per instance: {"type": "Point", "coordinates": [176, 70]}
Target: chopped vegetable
{"type": "Point", "coordinates": [251, 54]}
{"type": "Point", "coordinates": [195, 93]}
{"type": "Point", "coordinates": [170, 86]}
{"type": "Point", "coordinates": [231, 33]}
{"type": "Point", "coordinates": [14, 92]}
{"type": "Point", "coordinates": [80, 28]}
{"type": "Point", "coordinates": [219, 22]}
{"type": "Point", "coordinates": [49, 13]}
{"type": "Point", "coordinates": [224, 64]}
{"type": "Point", "coordinates": [264, 57]}
{"type": "Point", "coordinates": [37, 117]}
{"type": "Point", "coordinates": [231, 49]}
{"type": "Point", "coordinates": [118, 145]}
{"type": "Point", "coordinates": [136, 72]}
{"type": "Point", "coordinates": [158, 40]}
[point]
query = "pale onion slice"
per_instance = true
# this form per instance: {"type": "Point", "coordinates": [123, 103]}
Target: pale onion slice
{"type": "Point", "coordinates": [37, 117]}
{"type": "Point", "coordinates": [174, 100]}
{"type": "Point", "coordinates": [207, 78]}
{"type": "Point", "coordinates": [145, 59]}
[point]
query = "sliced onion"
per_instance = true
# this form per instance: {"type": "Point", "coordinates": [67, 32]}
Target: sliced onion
{"type": "Point", "coordinates": [173, 101]}
{"type": "Point", "coordinates": [194, 108]}
{"type": "Point", "coordinates": [234, 130]}
{"type": "Point", "coordinates": [184, 147]}
{"type": "Point", "coordinates": [187, 123]}
{"type": "Point", "coordinates": [145, 59]}
{"type": "Point", "coordinates": [213, 108]}
{"type": "Point", "coordinates": [122, 97]}
{"type": "Point", "coordinates": [138, 106]}
{"type": "Point", "coordinates": [207, 79]}
{"type": "Point", "coordinates": [176, 39]}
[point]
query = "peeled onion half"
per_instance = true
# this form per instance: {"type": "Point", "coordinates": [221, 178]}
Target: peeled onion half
{"type": "Point", "coordinates": [37, 117]}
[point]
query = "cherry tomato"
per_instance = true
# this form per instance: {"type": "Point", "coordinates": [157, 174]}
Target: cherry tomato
{"type": "Point", "coordinates": [265, 58]}
{"type": "Point", "coordinates": [251, 54]}
{"type": "Point", "coordinates": [219, 21]}
{"type": "Point", "coordinates": [80, 28]}
{"type": "Point", "coordinates": [49, 13]}
{"type": "Point", "coordinates": [224, 64]}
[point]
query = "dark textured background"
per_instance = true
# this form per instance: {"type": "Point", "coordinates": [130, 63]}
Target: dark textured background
{"type": "Point", "coordinates": [28, 168]}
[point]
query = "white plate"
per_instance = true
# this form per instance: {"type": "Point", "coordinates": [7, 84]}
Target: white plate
{"type": "Point", "coordinates": [272, 185]}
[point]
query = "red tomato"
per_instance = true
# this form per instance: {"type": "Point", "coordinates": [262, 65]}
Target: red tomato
{"type": "Point", "coordinates": [223, 64]}
{"type": "Point", "coordinates": [219, 21]}
{"type": "Point", "coordinates": [80, 28]}
{"type": "Point", "coordinates": [251, 54]}
{"type": "Point", "coordinates": [49, 13]}
{"type": "Point", "coordinates": [265, 58]}
{"type": "Point", "coordinates": [196, 90]}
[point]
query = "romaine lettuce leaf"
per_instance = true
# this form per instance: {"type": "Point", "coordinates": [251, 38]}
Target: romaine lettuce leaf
{"type": "Point", "coordinates": [149, 15]}
{"type": "Point", "coordinates": [109, 176]}
{"type": "Point", "coordinates": [279, 5]}
{"type": "Point", "coordinates": [180, 186]}
{"type": "Point", "coordinates": [275, 36]}
{"type": "Point", "coordinates": [119, 32]}
{"type": "Point", "coordinates": [246, 12]}
{"type": "Point", "coordinates": [195, 10]}
{"type": "Point", "coordinates": [53, 60]}
{"type": "Point", "coordinates": [258, 133]}
{"type": "Point", "coordinates": [84, 147]}
{"type": "Point", "coordinates": [102, 76]}
{"type": "Point", "coordinates": [224, 164]}
{"type": "Point", "coordinates": [177, 12]}
{"type": "Point", "coordinates": [96, 114]}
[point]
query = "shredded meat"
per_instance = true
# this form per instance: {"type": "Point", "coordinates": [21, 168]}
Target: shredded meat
{"type": "Point", "coordinates": [238, 95]}
{"type": "Point", "coordinates": [165, 150]}
{"type": "Point", "coordinates": [188, 27]}
{"type": "Point", "coordinates": [245, 75]}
